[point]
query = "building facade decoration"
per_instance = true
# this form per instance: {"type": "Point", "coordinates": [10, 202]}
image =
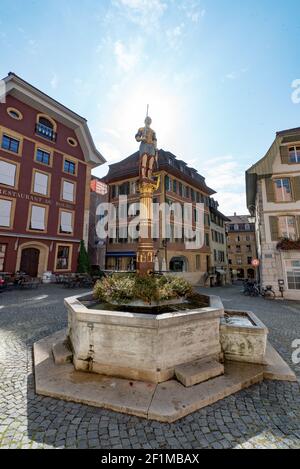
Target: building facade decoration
{"type": "Point", "coordinates": [241, 246]}
{"type": "Point", "coordinates": [219, 273]}
{"type": "Point", "coordinates": [177, 184]}
{"type": "Point", "coordinates": [273, 197]}
{"type": "Point", "coordinates": [44, 201]}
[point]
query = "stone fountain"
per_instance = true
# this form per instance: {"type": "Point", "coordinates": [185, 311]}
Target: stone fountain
{"type": "Point", "coordinates": [160, 366]}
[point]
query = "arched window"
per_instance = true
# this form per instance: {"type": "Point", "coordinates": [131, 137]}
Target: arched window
{"type": "Point", "coordinates": [46, 127]}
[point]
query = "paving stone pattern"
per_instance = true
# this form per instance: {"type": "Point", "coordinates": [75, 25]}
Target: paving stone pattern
{"type": "Point", "coordinates": [263, 416]}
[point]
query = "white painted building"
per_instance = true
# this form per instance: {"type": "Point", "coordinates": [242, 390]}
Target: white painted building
{"type": "Point", "coordinates": [273, 195]}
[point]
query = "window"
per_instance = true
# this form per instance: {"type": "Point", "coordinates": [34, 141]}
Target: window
{"type": "Point", "coordinates": [8, 173]}
{"type": "Point", "coordinates": [293, 274]}
{"type": "Point", "coordinates": [249, 249]}
{"type": "Point", "coordinates": [175, 186]}
{"type": "Point", "coordinates": [66, 222]}
{"type": "Point", "coordinates": [167, 184]}
{"type": "Point", "coordinates": [238, 248]}
{"type": "Point", "coordinates": [239, 261]}
{"type": "Point", "coordinates": [294, 155]}
{"type": "Point", "coordinates": [10, 144]}
{"type": "Point", "coordinates": [2, 256]}
{"type": "Point", "coordinates": [133, 187]}
{"type": "Point", "coordinates": [38, 218]}
{"type": "Point", "coordinates": [46, 128]}
{"type": "Point", "coordinates": [40, 183]}
{"type": "Point", "coordinates": [207, 240]}
{"type": "Point", "coordinates": [221, 256]}
{"type": "Point", "coordinates": [124, 188]}
{"type": "Point", "coordinates": [68, 191]}
{"type": "Point", "coordinates": [43, 157]}
{"type": "Point", "coordinates": [114, 192]}
{"type": "Point", "coordinates": [287, 227]}
{"type": "Point", "coordinates": [249, 260]}
{"type": "Point", "coordinates": [69, 167]}
{"type": "Point", "coordinates": [72, 142]}
{"type": "Point", "coordinates": [198, 262]}
{"type": "Point", "coordinates": [14, 113]}
{"type": "Point", "coordinates": [180, 189]}
{"type": "Point", "coordinates": [5, 213]}
{"type": "Point", "coordinates": [63, 257]}
{"type": "Point", "coordinates": [283, 192]}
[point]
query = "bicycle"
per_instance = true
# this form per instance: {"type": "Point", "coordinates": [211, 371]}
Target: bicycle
{"type": "Point", "coordinates": [254, 289]}
{"type": "Point", "coordinates": [268, 293]}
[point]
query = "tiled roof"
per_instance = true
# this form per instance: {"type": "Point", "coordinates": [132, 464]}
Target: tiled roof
{"type": "Point", "coordinates": [129, 167]}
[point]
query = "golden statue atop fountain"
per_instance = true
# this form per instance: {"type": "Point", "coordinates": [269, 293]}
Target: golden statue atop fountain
{"type": "Point", "coordinates": [148, 151]}
{"type": "Point", "coordinates": [148, 185]}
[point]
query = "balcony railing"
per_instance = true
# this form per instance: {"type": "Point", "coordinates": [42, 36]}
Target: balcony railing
{"type": "Point", "coordinates": [45, 132]}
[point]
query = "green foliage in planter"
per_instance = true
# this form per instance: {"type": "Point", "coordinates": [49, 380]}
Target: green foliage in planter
{"type": "Point", "coordinates": [126, 288]}
{"type": "Point", "coordinates": [117, 288]}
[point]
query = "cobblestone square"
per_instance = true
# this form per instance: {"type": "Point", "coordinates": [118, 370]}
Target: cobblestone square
{"type": "Point", "coordinates": [263, 416]}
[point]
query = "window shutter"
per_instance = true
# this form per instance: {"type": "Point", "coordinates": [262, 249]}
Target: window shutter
{"type": "Point", "coordinates": [68, 191]}
{"type": "Point", "coordinates": [41, 183]}
{"type": "Point", "coordinates": [5, 210]}
{"type": "Point", "coordinates": [274, 228]}
{"type": "Point", "coordinates": [66, 222]}
{"type": "Point", "coordinates": [7, 173]}
{"type": "Point", "coordinates": [167, 183]}
{"type": "Point", "coordinates": [298, 226]}
{"type": "Point", "coordinates": [284, 153]}
{"type": "Point", "coordinates": [37, 218]}
{"type": "Point", "coordinates": [296, 187]}
{"type": "Point", "coordinates": [270, 190]}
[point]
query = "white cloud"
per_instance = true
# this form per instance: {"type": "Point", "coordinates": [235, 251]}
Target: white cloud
{"type": "Point", "coordinates": [54, 81]}
{"type": "Point", "coordinates": [174, 36]}
{"type": "Point", "coordinates": [234, 75]}
{"type": "Point", "coordinates": [128, 56]}
{"type": "Point", "coordinates": [227, 177]}
{"type": "Point", "coordinates": [193, 10]}
{"type": "Point", "coordinates": [145, 13]}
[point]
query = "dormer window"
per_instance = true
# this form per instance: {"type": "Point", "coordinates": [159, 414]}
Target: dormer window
{"type": "Point", "coordinates": [294, 155]}
{"type": "Point", "coordinates": [46, 128]}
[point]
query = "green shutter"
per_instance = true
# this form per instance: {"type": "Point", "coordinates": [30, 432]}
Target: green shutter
{"type": "Point", "coordinates": [167, 183]}
{"type": "Point", "coordinates": [274, 228]}
{"type": "Point", "coordinates": [296, 187]}
{"type": "Point", "coordinates": [284, 153]}
{"type": "Point", "coordinates": [270, 190]}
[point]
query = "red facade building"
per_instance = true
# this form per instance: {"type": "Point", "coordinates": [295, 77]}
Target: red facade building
{"type": "Point", "coordinates": [46, 157]}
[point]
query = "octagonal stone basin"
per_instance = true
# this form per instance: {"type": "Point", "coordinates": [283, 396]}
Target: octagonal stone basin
{"type": "Point", "coordinates": [144, 347]}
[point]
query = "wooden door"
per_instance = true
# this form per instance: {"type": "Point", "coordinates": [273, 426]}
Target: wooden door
{"type": "Point", "coordinates": [30, 261]}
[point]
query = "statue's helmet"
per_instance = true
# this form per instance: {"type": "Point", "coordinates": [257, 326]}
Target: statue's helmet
{"type": "Point", "coordinates": [148, 121]}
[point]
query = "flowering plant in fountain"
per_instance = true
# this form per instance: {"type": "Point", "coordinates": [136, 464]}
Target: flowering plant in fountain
{"type": "Point", "coordinates": [124, 289]}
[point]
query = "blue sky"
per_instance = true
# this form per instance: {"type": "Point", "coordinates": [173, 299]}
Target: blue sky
{"type": "Point", "coordinates": [217, 74]}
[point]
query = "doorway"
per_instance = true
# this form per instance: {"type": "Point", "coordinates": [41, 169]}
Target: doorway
{"type": "Point", "coordinates": [30, 261]}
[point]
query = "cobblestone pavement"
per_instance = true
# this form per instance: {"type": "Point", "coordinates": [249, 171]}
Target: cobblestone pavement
{"type": "Point", "coordinates": [264, 416]}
